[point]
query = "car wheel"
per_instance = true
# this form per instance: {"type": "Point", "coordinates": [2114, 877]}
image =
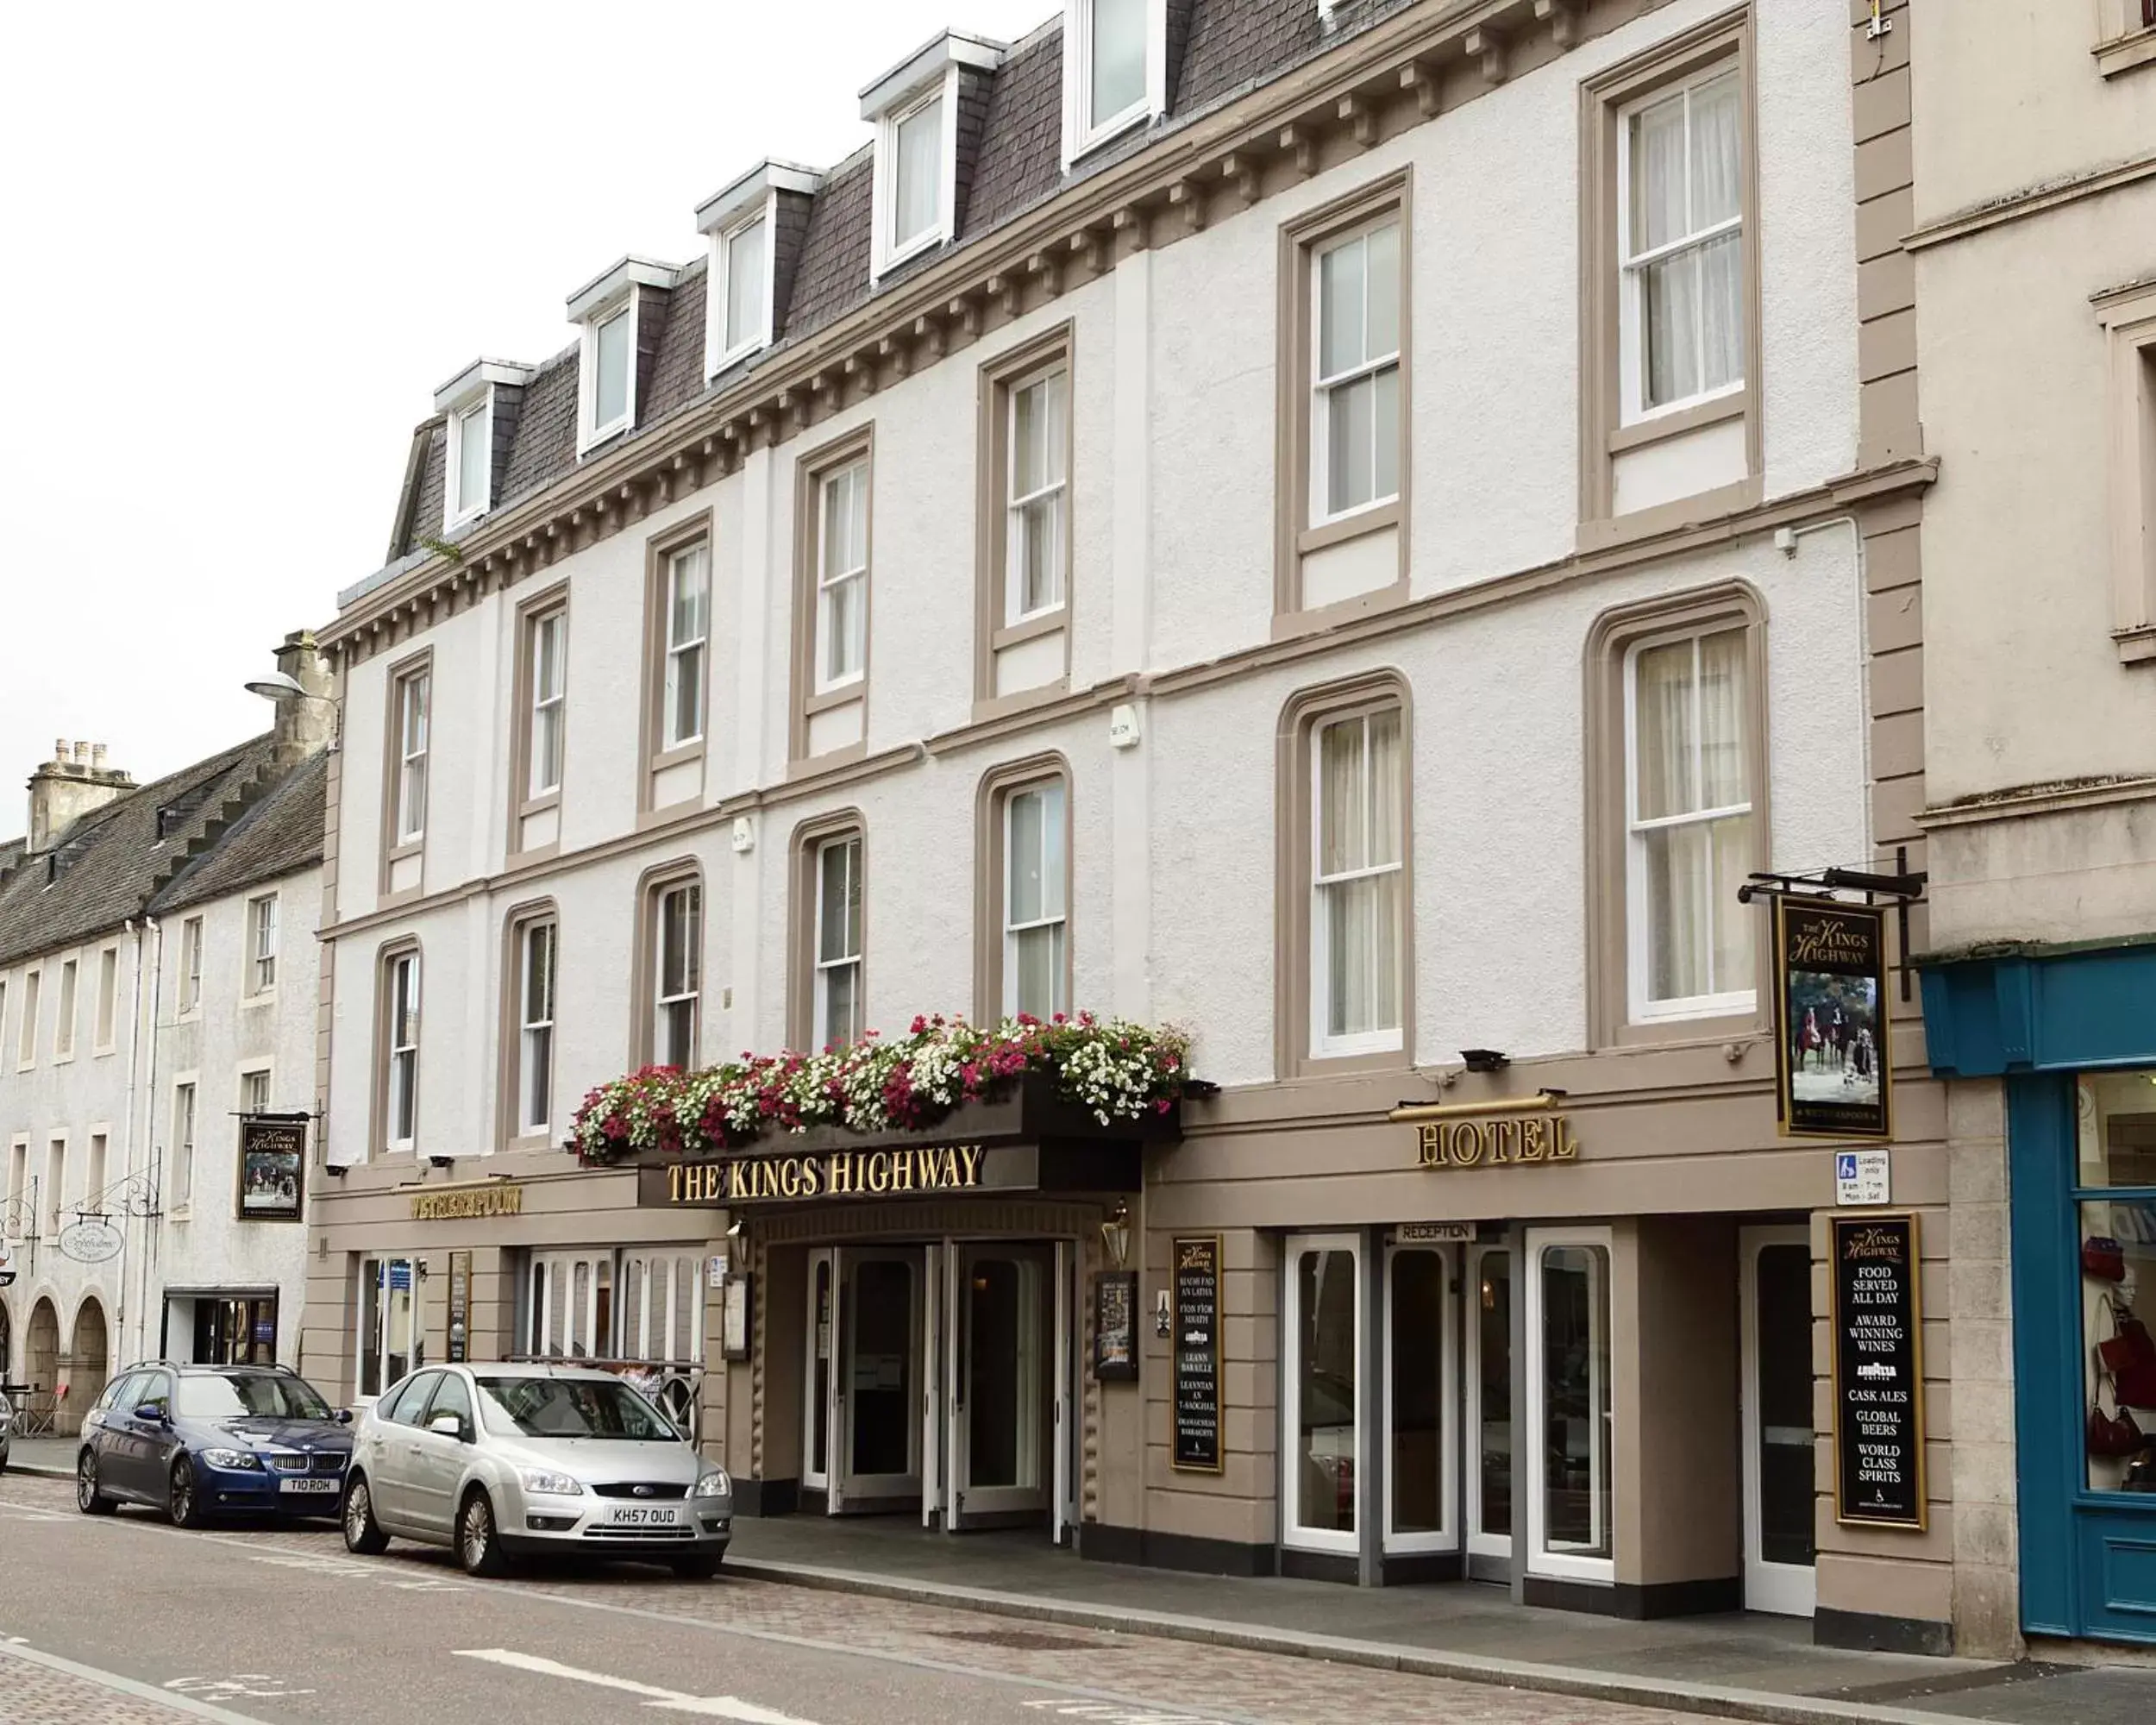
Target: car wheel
{"type": "Point", "coordinates": [363, 1535]}
{"type": "Point", "coordinates": [89, 1498]}
{"type": "Point", "coordinates": [698, 1566]}
{"type": "Point", "coordinates": [182, 1506]}
{"type": "Point", "coordinates": [479, 1545]}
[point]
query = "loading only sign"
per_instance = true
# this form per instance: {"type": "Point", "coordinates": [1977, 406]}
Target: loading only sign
{"type": "Point", "coordinates": [1878, 1321]}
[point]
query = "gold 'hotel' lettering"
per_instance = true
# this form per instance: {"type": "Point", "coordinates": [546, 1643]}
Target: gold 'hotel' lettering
{"type": "Point", "coordinates": [503, 1198]}
{"type": "Point", "coordinates": [831, 1174]}
{"type": "Point", "coordinates": [1496, 1143]}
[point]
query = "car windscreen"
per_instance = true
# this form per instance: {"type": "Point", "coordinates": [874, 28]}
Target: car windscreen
{"type": "Point", "coordinates": [261, 1395]}
{"type": "Point", "coordinates": [570, 1407]}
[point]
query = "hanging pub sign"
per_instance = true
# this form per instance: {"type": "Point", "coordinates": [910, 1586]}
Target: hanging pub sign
{"type": "Point", "coordinates": [1197, 1354]}
{"type": "Point", "coordinates": [1878, 1339]}
{"type": "Point", "coordinates": [1115, 1326]}
{"type": "Point", "coordinates": [1832, 1072]}
{"type": "Point", "coordinates": [272, 1167]}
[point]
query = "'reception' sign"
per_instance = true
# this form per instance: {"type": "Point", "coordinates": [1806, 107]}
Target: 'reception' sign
{"type": "Point", "coordinates": [910, 1171]}
{"type": "Point", "coordinates": [1878, 1325]}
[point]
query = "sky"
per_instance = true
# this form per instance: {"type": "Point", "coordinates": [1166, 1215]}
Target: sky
{"type": "Point", "coordinates": [246, 241]}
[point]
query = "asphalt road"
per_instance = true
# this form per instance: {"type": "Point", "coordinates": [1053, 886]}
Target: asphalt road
{"type": "Point", "coordinates": [125, 1619]}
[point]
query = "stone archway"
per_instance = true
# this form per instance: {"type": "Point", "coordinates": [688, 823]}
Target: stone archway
{"type": "Point", "coordinates": [88, 1362]}
{"type": "Point", "coordinates": [40, 1350]}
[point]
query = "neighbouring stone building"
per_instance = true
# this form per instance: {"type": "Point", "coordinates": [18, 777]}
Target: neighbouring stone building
{"type": "Point", "coordinates": [1351, 529]}
{"type": "Point", "coordinates": [158, 980]}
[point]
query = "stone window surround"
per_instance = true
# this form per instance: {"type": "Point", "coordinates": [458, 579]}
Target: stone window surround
{"type": "Point", "coordinates": [811, 470]}
{"type": "Point", "coordinates": [998, 785]}
{"type": "Point", "coordinates": [809, 836]}
{"type": "Point", "coordinates": [67, 1009]}
{"type": "Point", "coordinates": [659, 550]}
{"type": "Point", "coordinates": [180, 1205]}
{"type": "Point", "coordinates": [1299, 719]}
{"type": "Point", "coordinates": [32, 991]}
{"type": "Point", "coordinates": [394, 851]}
{"type": "Point", "coordinates": [187, 983]}
{"type": "Point", "coordinates": [1301, 239]}
{"type": "Point", "coordinates": [1603, 434]}
{"type": "Point", "coordinates": [2129, 40]}
{"type": "Point", "coordinates": [520, 920]}
{"type": "Point", "coordinates": [105, 1025]}
{"type": "Point", "coordinates": [644, 971]}
{"type": "Point", "coordinates": [2128, 317]}
{"type": "Point", "coordinates": [387, 957]}
{"type": "Point", "coordinates": [553, 601]}
{"type": "Point", "coordinates": [1611, 640]}
{"type": "Point", "coordinates": [249, 990]}
{"type": "Point", "coordinates": [999, 376]}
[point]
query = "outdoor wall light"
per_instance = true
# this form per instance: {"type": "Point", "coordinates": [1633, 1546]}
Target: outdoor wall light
{"type": "Point", "coordinates": [1485, 1059]}
{"type": "Point", "coordinates": [440, 1161]}
{"type": "Point", "coordinates": [1115, 1235]}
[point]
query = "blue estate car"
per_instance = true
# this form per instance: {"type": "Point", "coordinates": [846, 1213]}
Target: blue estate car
{"type": "Point", "coordinates": [202, 1441]}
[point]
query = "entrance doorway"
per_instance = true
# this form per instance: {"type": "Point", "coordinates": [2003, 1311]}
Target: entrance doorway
{"type": "Point", "coordinates": [934, 1378]}
{"type": "Point", "coordinates": [390, 1341]}
{"type": "Point", "coordinates": [86, 1378]}
{"type": "Point", "coordinates": [1776, 1295]}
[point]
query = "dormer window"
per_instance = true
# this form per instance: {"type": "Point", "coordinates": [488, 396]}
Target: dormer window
{"type": "Point", "coordinates": [469, 469]}
{"type": "Point", "coordinates": [611, 313]}
{"type": "Point", "coordinates": [480, 407]}
{"type": "Point", "coordinates": [1115, 69]}
{"type": "Point", "coordinates": [915, 109]}
{"type": "Point", "coordinates": [754, 227]}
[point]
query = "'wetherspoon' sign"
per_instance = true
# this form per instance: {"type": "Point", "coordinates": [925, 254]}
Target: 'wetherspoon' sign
{"type": "Point", "coordinates": [465, 1203]}
{"type": "Point", "coordinates": [825, 1174]}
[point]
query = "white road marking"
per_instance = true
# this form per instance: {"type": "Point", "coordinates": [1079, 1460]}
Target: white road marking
{"type": "Point", "coordinates": [1111, 1713]}
{"type": "Point", "coordinates": [668, 1700]}
{"type": "Point", "coordinates": [232, 1688]}
{"type": "Point", "coordinates": [16, 1648]}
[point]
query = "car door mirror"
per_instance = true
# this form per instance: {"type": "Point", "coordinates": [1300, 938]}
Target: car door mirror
{"type": "Point", "coordinates": [150, 1412]}
{"type": "Point", "coordinates": [342, 1416]}
{"type": "Point", "coordinates": [449, 1426]}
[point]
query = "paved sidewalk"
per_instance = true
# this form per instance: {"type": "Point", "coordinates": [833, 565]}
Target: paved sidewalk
{"type": "Point", "coordinates": [54, 1456]}
{"type": "Point", "coordinates": [1744, 1666]}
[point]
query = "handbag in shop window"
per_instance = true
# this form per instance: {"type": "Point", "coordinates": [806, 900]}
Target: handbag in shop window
{"type": "Point", "coordinates": [2113, 1434]}
{"type": "Point", "coordinates": [2104, 1258]}
{"type": "Point", "coordinates": [2129, 1356]}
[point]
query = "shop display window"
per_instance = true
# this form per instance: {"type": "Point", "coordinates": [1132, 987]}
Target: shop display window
{"type": "Point", "coordinates": [2116, 1176]}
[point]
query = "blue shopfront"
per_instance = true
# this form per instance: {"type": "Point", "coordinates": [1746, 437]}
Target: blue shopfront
{"type": "Point", "coordinates": [2071, 1035]}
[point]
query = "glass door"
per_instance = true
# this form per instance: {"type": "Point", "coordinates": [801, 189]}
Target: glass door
{"type": "Point", "coordinates": [1569, 1412]}
{"type": "Point", "coordinates": [1001, 1379]}
{"type": "Point", "coordinates": [1321, 1469]}
{"type": "Point", "coordinates": [818, 1386]}
{"type": "Point", "coordinates": [878, 1435]}
{"type": "Point", "coordinates": [1487, 1337]}
{"type": "Point", "coordinates": [1780, 1486]}
{"type": "Point", "coordinates": [390, 1341]}
{"type": "Point", "coordinates": [1421, 1457]}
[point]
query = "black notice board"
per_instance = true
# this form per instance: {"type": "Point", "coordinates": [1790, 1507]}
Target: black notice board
{"type": "Point", "coordinates": [460, 1306]}
{"type": "Point", "coordinates": [1197, 1349]}
{"type": "Point", "coordinates": [1878, 1321]}
{"type": "Point", "coordinates": [1115, 1326]}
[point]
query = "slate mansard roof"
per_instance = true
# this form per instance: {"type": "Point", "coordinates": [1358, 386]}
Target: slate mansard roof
{"type": "Point", "coordinates": [1217, 50]}
{"type": "Point", "coordinates": [228, 822]}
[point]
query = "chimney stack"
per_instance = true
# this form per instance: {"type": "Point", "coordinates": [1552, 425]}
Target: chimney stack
{"type": "Point", "coordinates": [74, 782]}
{"type": "Point", "coordinates": [304, 727]}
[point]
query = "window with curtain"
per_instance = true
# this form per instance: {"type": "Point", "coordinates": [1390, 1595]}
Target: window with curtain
{"type": "Point", "coordinates": [414, 698]}
{"type": "Point", "coordinates": [610, 371]}
{"type": "Point", "coordinates": [688, 601]}
{"type": "Point", "coordinates": [1039, 472]}
{"type": "Point", "coordinates": [1355, 416]}
{"type": "Point", "coordinates": [746, 247]}
{"type": "Point", "coordinates": [1682, 240]}
{"type": "Point", "coordinates": [549, 703]}
{"type": "Point", "coordinates": [842, 576]}
{"type": "Point", "coordinates": [401, 1111]}
{"type": "Point", "coordinates": [837, 982]}
{"type": "Point", "coordinates": [254, 1092]}
{"type": "Point", "coordinates": [535, 943]}
{"type": "Point", "coordinates": [1688, 773]}
{"type": "Point", "coordinates": [677, 935]}
{"type": "Point", "coordinates": [1034, 914]}
{"type": "Point", "coordinates": [190, 967]}
{"type": "Point", "coordinates": [262, 920]}
{"type": "Point", "coordinates": [1115, 57]}
{"type": "Point", "coordinates": [1357, 937]}
{"type": "Point", "coordinates": [183, 1158]}
{"type": "Point", "coordinates": [917, 174]}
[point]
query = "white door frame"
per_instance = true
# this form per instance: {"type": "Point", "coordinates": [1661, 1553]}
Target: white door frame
{"type": "Point", "coordinates": [1060, 1504]}
{"type": "Point", "coordinates": [1789, 1590]}
{"type": "Point", "coordinates": [1480, 1544]}
{"type": "Point", "coordinates": [845, 1481]}
{"type": "Point", "coordinates": [1446, 1538]}
{"type": "Point", "coordinates": [814, 1478]}
{"type": "Point", "coordinates": [1033, 1268]}
{"type": "Point", "coordinates": [1291, 1533]}
{"type": "Point", "coordinates": [934, 1296]}
{"type": "Point", "coordinates": [1541, 1561]}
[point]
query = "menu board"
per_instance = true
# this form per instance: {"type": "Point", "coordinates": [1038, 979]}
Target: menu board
{"type": "Point", "coordinates": [1197, 1350]}
{"type": "Point", "coordinates": [1878, 1321]}
{"type": "Point", "coordinates": [1115, 1326]}
{"type": "Point", "coordinates": [459, 1305]}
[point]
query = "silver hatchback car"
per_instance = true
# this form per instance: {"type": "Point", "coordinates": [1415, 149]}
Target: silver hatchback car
{"type": "Point", "coordinates": [498, 1462]}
